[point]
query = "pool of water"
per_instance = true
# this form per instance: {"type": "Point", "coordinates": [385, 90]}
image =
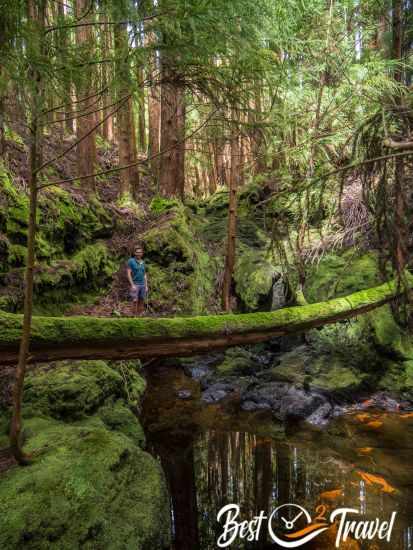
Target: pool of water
{"type": "Point", "coordinates": [214, 455]}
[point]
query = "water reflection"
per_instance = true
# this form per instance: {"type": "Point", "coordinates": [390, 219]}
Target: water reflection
{"type": "Point", "coordinates": [214, 455]}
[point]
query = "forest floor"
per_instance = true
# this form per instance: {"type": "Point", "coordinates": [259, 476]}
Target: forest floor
{"type": "Point", "coordinates": [125, 234]}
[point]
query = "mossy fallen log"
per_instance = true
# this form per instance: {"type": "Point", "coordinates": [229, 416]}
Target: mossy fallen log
{"type": "Point", "coordinates": [55, 338]}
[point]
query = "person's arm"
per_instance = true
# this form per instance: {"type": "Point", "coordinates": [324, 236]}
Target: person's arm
{"type": "Point", "coordinates": [146, 282]}
{"type": "Point", "coordinates": [129, 274]}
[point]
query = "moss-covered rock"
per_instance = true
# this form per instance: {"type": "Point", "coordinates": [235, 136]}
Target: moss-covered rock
{"type": "Point", "coordinates": [88, 487]}
{"type": "Point", "coordinates": [389, 337]}
{"type": "Point", "coordinates": [90, 484]}
{"type": "Point", "coordinates": [238, 361]}
{"type": "Point", "coordinates": [254, 277]}
{"type": "Point", "coordinates": [118, 417]}
{"type": "Point", "coordinates": [70, 390]}
{"type": "Point", "coordinates": [181, 274]}
{"type": "Point", "coordinates": [377, 338]}
{"type": "Point", "coordinates": [70, 257]}
{"type": "Point", "coordinates": [341, 274]}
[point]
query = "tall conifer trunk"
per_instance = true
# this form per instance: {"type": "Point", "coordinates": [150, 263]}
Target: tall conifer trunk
{"type": "Point", "coordinates": [172, 160]}
{"type": "Point", "coordinates": [2, 91]}
{"type": "Point", "coordinates": [86, 149]}
{"type": "Point", "coordinates": [125, 125]}
{"type": "Point", "coordinates": [64, 41]}
{"type": "Point", "coordinates": [154, 107]}
{"type": "Point", "coordinates": [107, 127]}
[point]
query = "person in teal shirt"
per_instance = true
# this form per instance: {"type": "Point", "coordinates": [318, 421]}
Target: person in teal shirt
{"type": "Point", "coordinates": [138, 280]}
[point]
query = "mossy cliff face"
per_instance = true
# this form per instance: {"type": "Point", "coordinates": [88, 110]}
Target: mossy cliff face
{"type": "Point", "coordinates": [72, 258]}
{"type": "Point", "coordinates": [91, 485]}
{"type": "Point", "coordinates": [181, 273]}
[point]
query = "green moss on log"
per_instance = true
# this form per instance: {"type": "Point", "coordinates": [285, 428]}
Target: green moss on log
{"type": "Point", "coordinates": [215, 330]}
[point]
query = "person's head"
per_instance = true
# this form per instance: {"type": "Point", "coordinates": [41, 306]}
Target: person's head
{"type": "Point", "coordinates": [138, 252]}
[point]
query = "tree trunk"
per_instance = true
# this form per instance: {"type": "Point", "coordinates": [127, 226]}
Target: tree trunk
{"type": "Point", "coordinates": [3, 88]}
{"type": "Point", "coordinates": [257, 137]}
{"type": "Point", "coordinates": [107, 127]}
{"type": "Point", "coordinates": [36, 14]}
{"type": "Point", "coordinates": [133, 170]}
{"type": "Point", "coordinates": [232, 223]}
{"type": "Point", "coordinates": [64, 42]}
{"type": "Point", "coordinates": [170, 158]}
{"type": "Point", "coordinates": [154, 110]}
{"type": "Point", "coordinates": [86, 149]}
{"type": "Point", "coordinates": [400, 252]}
{"type": "Point", "coordinates": [125, 125]}
{"type": "Point", "coordinates": [55, 338]}
{"type": "Point", "coordinates": [180, 121]}
{"type": "Point", "coordinates": [141, 113]}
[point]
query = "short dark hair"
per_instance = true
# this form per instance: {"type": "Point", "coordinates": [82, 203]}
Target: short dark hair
{"type": "Point", "coordinates": [138, 247]}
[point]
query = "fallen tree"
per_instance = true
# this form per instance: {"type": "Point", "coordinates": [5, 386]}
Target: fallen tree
{"type": "Point", "coordinates": [56, 338]}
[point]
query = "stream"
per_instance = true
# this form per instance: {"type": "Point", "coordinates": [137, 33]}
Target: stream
{"type": "Point", "coordinates": [217, 454]}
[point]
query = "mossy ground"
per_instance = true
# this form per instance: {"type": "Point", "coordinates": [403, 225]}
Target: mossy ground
{"type": "Point", "coordinates": [91, 485]}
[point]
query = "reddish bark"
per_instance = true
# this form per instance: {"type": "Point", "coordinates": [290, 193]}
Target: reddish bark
{"type": "Point", "coordinates": [86, 149]}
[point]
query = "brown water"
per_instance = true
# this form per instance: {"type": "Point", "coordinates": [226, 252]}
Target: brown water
{"type": "Point", "coordinates": [214, 455]}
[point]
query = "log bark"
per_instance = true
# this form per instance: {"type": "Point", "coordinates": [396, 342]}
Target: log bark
{"type": "Point", "coordinates": [55, 338]}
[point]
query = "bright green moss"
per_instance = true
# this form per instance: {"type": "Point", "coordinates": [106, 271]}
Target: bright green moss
{"type": "Point", "coordinates": [88, 329]}
{"type": "Point", "coordinates": [180, 270]}
{"type": "Point", "coordinates": [17, 255]}
{"type": "Point", "coordinates": [88, 487]}
{"type": "Point", "coordinates": [254, 277]}
{"type": "Point", "coordinates": [11, 135]}
{"type": "Point", "coordinates": [238, 361]}
{"type": "Point", "coordinates": [70, 390]}
{"type": "Point", "coordinates": [88, 269]}
{"type": "Point", "coordinates": [387, 334]}
{"type": "Point", "coordinates": [118, 417]}
{"type": "Point", "coordinates": [90, 484]}
{"type": "Point", "coordinates": [338, 275]}
{"type": "Point", "coordinates": [160, 205]}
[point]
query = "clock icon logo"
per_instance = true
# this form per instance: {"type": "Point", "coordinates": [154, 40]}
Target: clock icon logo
{"type": "Point", "coordinates": [293, 526]}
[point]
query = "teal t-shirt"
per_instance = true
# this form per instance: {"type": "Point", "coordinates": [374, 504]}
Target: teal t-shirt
{"type": "Point", "coordinates": [138, 270]}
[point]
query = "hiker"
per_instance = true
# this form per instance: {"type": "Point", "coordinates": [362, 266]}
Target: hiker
{"type": "Point", "coordinates": [138, 280]}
